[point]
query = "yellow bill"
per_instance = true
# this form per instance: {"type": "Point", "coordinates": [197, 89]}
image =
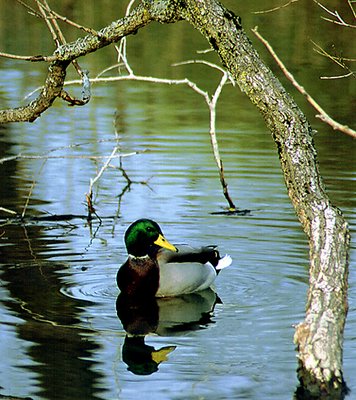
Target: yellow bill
{"type": "Point", "coordinates": [163, 242]}
{"type": "Point", "coordinates": [160, 355]}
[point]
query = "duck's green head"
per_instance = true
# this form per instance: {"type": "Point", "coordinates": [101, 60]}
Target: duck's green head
{"type": "Point", "coordinates": [144, 237]}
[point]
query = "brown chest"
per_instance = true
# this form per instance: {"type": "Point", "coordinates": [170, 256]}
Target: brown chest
{"type": "Point", "coordinates": [139, 277]}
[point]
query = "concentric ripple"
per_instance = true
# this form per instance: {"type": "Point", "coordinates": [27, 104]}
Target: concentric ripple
{"type": "Point", "coordinates": [96, 288]}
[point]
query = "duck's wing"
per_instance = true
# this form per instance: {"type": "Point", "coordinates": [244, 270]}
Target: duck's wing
{"type": "Point", "coordinates": [188, 254]}
{"type": "Point", "coordinates": [188, 270]}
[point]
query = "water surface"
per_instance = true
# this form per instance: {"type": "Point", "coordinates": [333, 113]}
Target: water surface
{"type": "Point", "coordinates": [61, 337]}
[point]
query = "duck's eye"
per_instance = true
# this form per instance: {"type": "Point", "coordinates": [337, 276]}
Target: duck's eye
{"type": "Point", "coordinates": [149, 229]}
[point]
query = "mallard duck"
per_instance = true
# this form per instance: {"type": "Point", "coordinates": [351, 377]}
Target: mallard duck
{"type": "Point", "coordinates": [157, 268]}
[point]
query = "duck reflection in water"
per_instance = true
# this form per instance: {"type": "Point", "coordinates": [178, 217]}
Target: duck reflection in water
{"type": "Point", "coordinates": [162, 316]}
{"type": "Point", "coordinates": [164, 289]}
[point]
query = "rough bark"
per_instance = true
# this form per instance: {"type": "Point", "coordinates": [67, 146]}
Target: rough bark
{"type": "Point", "coordinates": [319, 338]}
{"type": "Point", "coordinates": [65, 54]}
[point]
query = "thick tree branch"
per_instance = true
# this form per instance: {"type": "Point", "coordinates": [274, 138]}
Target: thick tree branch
{"type": "Point", "coordinates": [52, 89]}
{"type": "Point", "coordinates": [320, 337]}
{"type": "Point", "coordinates": [65, 54]}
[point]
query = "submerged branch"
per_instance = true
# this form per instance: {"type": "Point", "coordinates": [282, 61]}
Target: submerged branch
{"type": "Point", "coordinates": [212, 108]}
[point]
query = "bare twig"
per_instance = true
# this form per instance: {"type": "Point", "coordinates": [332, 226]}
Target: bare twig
{"type": "Point", "coordinates": [53, 27]}
{"type": "Point", "coordinates": [130, 77]}
{"type": "Point", "coordinates": [92, 31]}
{"type": "Point", "coordinates": [31, 190]}
{"type": "Point", "coordinates": [209, 64]}
{"type": "Point", "coordinates": [349, 2]}
{"type": "Point", "coordinates": [210, 101]}
{"type": "Point", "coordinates": [275, 8]}
{"type": "Point", "coordinates": [47, 155]}
{"type": "Point", "coordinates": [8, 211]}
{"type": "Point", "coordinates": [340, 61]}
{"type": "Point", "coordinates": [324, 53]}
{"type": "Point", "coordinates": [31, 10]}
{"type": "Point", "coordinates": [57, 36]}
{"type": "Point", "coordinates": [338, 76]}
{"type": "Point", "coordinates": [103, 168]}
{"type": "Point", "coordinates": [337, 19]}
{"type": "Point", "coordinates": [321, 113]}
{"type": "Point", "coordinates": [214, 142]}
{"type": "Point", "coordinates": [49, 17]}
{"type": "Point", "coordinates": [56, 32]}
{"type": "Point", "coordinates": [41, 157]}
{"type": "Point", "coordinates": [28, 58]}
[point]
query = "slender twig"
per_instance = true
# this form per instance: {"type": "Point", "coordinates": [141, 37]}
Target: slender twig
{"type": "Point", "coordinates": [340, 22]}
{"type": "Point", "coordinates": [210, 101]}
{"type": "Point", "coordinates": [337, 17]}
{"type": "Point", "coordinates": [30, 9]}
{"type": "Point", "coordinates": [324, 53]}
{"type": "Point", "coordinates": [130, 77]}
{"type": "Point", "coordinates": [59, 40]}
{"type": "Point", "coordinates": [55, 30]}
{"type": "Point", "coordinates": [50, 16]}
{"type": "Point", "coordinates": [42, 157]}
{"type": "Point", "coordinates": [34, 182]}
{"type": "Point", "coordinates": [338, 76]}
{"type": "Point", "coordinates": [214, 142]}
{"type": "Point", "coordinates": [92, 31]}
{"type": "Point", "coordinates": [103, 168]}
{"type": "Point", "coordinates": [338, 60]}
{"type": "Point", "coordinates": [8, 211]}
{"type": "Point", "coordinates": [28, 58]}
{"type": "Point", "coordinates": [349, 2]}
{"type": "Point", "coordinates": [104, 71]}
{"type": "Point", "coordinates": [321, 113]}
{"type": "Point", "coordinates": [46, 155]}
{"type": "Point", "coordinates": [275, 8]}
{"type": "Point", "coordinates": [209, 64]}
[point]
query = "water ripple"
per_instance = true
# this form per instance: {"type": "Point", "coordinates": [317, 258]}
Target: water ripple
{"type": "Point", "coordinates": [96, 289]}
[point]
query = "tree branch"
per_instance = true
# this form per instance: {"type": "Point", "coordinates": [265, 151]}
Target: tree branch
{"type": "Point", "coordinates": [323, 223]}
{"type": "Point", "coordinates": [275, 8]}
{"type": "Point", "coordinates": [337, 17]}
{"type": "Point", "coordinates": [322, 114]}
{"type": "Point", "coordinates": [65, 54]}
{"type": "Point", "coordinates": [28, 58]}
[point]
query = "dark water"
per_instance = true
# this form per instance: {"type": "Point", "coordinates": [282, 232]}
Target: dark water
{"type": "Point", "coordinates": [61, 337]}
